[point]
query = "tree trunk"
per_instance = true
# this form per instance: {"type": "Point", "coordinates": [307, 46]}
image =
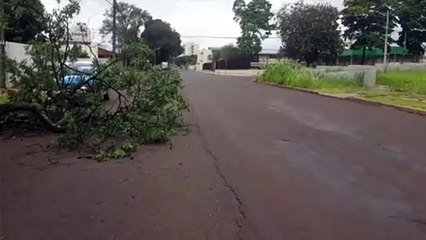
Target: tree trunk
{"type": "Point", "coordinates": [35, 109]}
{"type": "Point", "coordinates": [364, 51]}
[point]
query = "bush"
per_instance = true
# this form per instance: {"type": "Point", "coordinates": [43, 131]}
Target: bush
{"type": "Point", "coordinates": [289, 73]}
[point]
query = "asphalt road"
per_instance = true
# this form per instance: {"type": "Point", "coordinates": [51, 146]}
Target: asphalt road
{"type": "Point", "coordinates": [260, 163]}
{"type": "Point", "coordinates": [309, 167]}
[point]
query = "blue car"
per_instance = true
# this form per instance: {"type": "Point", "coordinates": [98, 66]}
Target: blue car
{"type": "Point", "coordinates": [79, 77]}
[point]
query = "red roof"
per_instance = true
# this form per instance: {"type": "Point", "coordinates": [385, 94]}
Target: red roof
{"type": "Point", "coordinates": [104, 53]}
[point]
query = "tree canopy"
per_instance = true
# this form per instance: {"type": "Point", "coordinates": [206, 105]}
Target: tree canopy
{"type": "Point", "coordinates": [164, 41]}
{"type": "Point", "coordinates": [366, 22]}
{"type": "Point", "coordinates": [412, 18]}
{"type": "Point", "coordinates": [229, 52]}
{"type": "Point", "coordinates": [310, 32]}
{"type": "Point", "coordinates": [129, 22]}
{"type": "Point", "coordinates": [24, 20]}
{"type": "Point", "coordinates": [185, 61]}
{"type": "Point", "coordinates": [254, 19]}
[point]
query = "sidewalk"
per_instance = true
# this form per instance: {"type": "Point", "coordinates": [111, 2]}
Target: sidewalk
{"type": "Point", "coordinates": [239, 72]}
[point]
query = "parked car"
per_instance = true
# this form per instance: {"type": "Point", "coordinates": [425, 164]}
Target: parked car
{"type": "Point", "coordinates": [79, 75]}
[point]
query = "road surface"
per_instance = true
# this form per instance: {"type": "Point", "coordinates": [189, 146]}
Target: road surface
{"type": "Point", "coordinates": [260, 162]}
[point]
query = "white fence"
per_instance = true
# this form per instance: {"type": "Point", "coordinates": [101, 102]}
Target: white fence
{"type": "Point", "coordinates": [18, 52]}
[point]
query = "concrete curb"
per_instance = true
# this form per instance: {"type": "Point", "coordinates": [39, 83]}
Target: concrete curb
{"type": "Point", "coordinates": [353, 99]}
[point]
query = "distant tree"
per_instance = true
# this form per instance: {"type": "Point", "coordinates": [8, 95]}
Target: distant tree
{"type": "Point", "coordinates": [185, 61]}
{"type": "Point", "coordinates": [310, 32]}
{"type": "Point", "coordinates": [129, 22]}
{"type": "Point", "coordinates": [254, 19]}
{"type": "Point", "coordinates": [229, 52]}
{"type": "Point", "coordinates": [24, 20]}
{"type": "Point", "coordinates": [365, 21]}
{"type": "Point", "coordinates": [76, 51]}
{"type": "Point", "coordinates": [164, 40]}
{"type": "Point", "coordinates": [412, 18]}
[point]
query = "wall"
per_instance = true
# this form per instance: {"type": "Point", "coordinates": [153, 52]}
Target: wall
{"type": "Point", "coordinates": [86, 48]}
{"type": "Point", "coordinates": [17, 52]}
{"type": "Point", "coordinates": [368, 73]}
{"type": "Point", "coordinates": [402, 67]}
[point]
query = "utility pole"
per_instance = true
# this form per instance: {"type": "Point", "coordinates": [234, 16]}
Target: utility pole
{"type": "Point", "coordinates": [405, 46]}
{"type": "Point", "coordinates": [386, 40]}
{"type": "Point", "coordinates": [114, 27]}
{"type": "Point", "coordinates": [2, 47]}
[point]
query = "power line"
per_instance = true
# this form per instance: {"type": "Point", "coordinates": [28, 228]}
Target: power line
{"type": "Point", "coordinates": [219, 37]}
{"type": "Point", "coordinates": [114, 27]}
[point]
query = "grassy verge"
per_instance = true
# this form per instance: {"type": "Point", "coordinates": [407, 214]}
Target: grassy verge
{"type": "Point", "coordinates": [404, 81]}
{"type": "Point", "coordinates": [412, 101]}
{"type": "Point", "coordinates": [406, 89]}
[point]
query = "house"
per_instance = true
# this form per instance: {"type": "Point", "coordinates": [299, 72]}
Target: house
{"type": "Point", "coordinates": [265, 57]}
{"type": "Point", "coordinates": [260, 60]}
{"type": "Point", "coordinates": [204, 56]}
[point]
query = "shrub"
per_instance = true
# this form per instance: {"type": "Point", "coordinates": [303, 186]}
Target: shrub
{"type": "Point", "coordinates": [289, 73]}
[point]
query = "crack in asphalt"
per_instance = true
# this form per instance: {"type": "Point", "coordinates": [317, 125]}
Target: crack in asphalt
{"type": "Point", "coordinates": [224, 179]}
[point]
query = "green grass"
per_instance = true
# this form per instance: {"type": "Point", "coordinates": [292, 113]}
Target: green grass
{"type": "Point", "coordinates": [404, 81]}
{"type": "Point", "coordinates": [3, 99]}
{"type": "Point", "coordinates": [336, 85]}
{"type": "Point", "coordinates": [406, 101]}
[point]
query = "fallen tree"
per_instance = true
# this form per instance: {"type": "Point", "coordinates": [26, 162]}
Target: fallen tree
{"type": "Point", "coordinates": [146, 104]}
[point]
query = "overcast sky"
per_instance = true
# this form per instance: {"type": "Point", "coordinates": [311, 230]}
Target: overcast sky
{"type": "Point", "coordinates": [188, 17]}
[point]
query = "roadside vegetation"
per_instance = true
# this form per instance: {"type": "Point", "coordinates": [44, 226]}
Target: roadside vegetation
{"type": "Point", "coordinates": [413, 82]}
{"type": "Point", "coordinates": [291, 74]}
{"type": "Point", "coordinates": [406, 88]}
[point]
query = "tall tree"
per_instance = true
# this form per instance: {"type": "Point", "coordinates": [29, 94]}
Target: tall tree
{"type": "Point", "coordinates": [365, 21]}
{"type": "Point", "coordinates": [162, 39]}
{"type": "Point", "coordinates": [229, 52]}
{"type": "Point", "coordinates": [310, 32]}
{"type": "Point", "coordinates": [130, 20]}
{"type": "Point", "coordinates": [412, 18]}
{"type": "Point", "coordinates": [185, 61]}
{"type": "Point", "coordinates": [24, 20]}
{"type": "Point", "coordinates": [254, 19]}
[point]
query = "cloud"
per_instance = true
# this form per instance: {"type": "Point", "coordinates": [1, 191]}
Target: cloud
{"type": "Point", "coordinates": [188, 17]}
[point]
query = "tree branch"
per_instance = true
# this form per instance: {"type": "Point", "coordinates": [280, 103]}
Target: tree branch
{"type": "Point", "coordinates": [35, 108]}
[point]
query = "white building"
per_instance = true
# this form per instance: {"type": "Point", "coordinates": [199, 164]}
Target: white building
{"type": "Point", "coordinates": [80, 33]}
{"type": "Point", "coordinates": [191, 49]}
{"type": "Point", "coordinates": [203, 56]}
